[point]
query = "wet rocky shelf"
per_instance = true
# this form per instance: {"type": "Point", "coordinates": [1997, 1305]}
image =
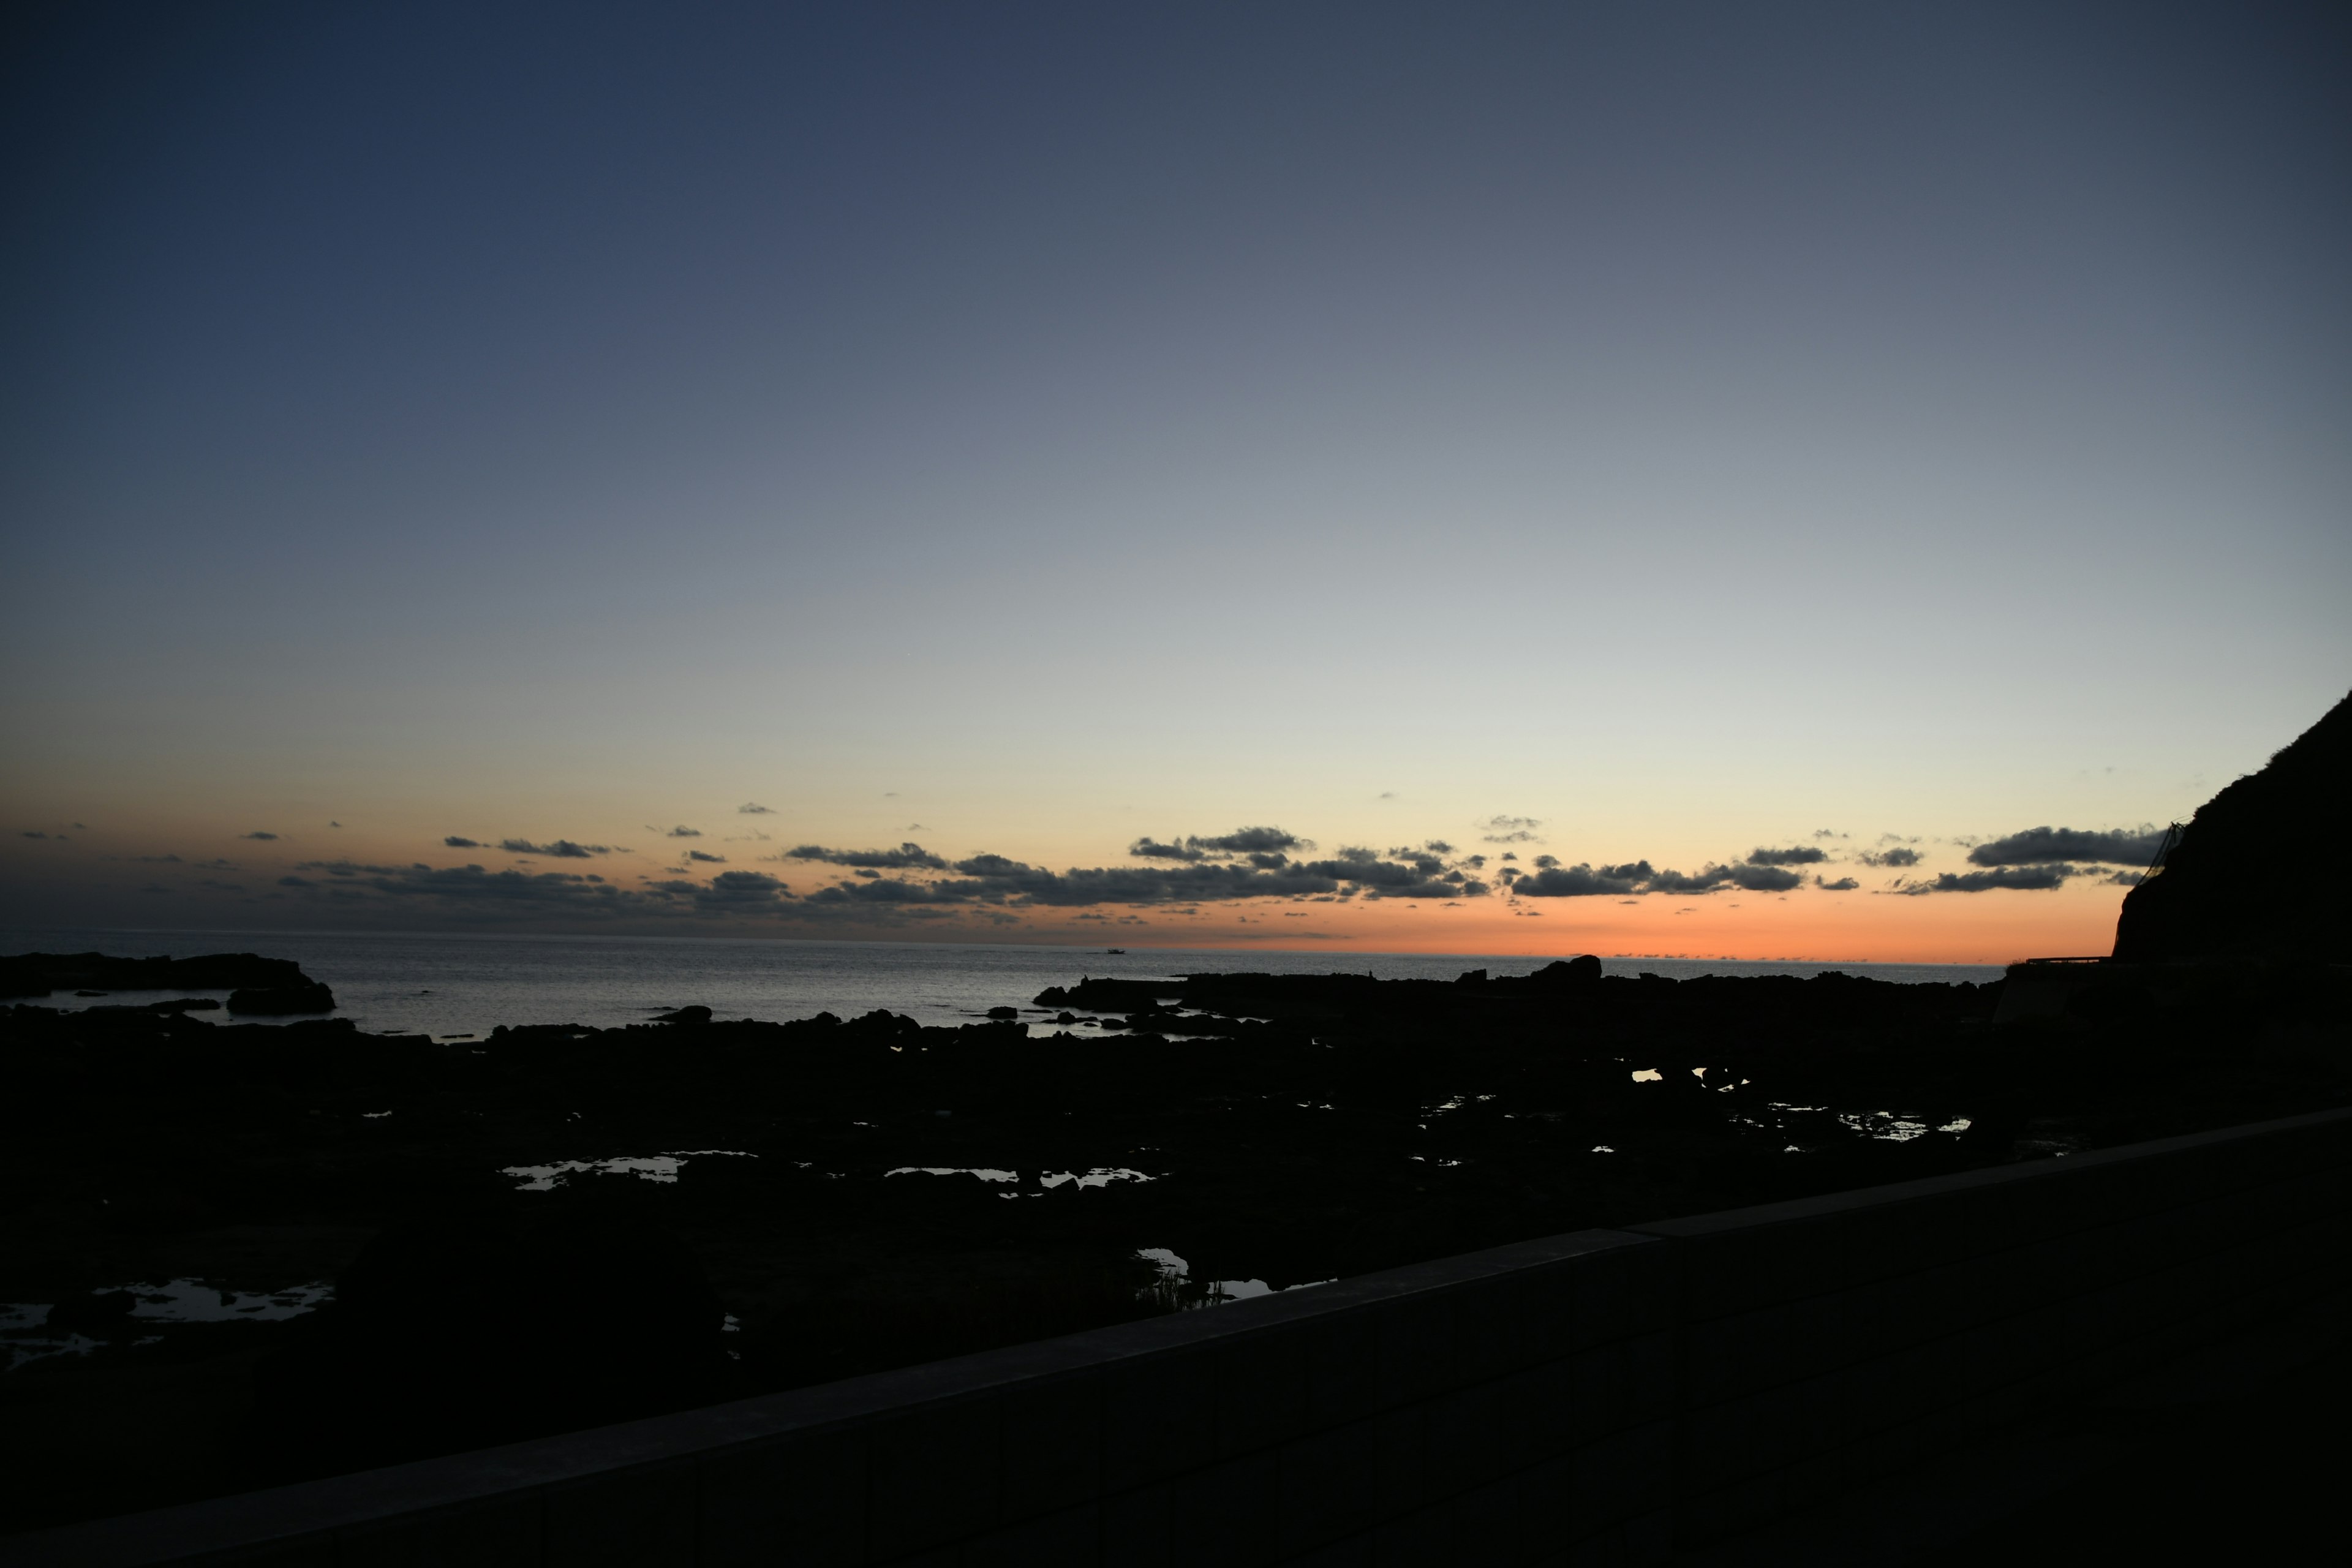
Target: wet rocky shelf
{"type": "Point", "coordinates": [717, 1207]}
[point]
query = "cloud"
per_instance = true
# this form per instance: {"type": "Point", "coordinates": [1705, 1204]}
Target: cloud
{"type": "Point", "coordinates": [679, 832]}
{"type": "Point", "coordinates": [2013, 878]}
{"type": "Point", "coordinates": [1798, 855]}
{"type": "Point", "coordinates": [906, 856]}
{"type": "Point", "coordinates": [353, 868]}
{"type": "Point", "coordinates": [1843, 885]}
{"type": "Point", "coordinates": [2043, 846]}
{"type": "Point", "coordinates": [711, 859]}
{"type": "Point", "coordinates": [265, 838]}
{"type": "Point", "coordinates": [455, 842]}
{"type": "Point", "coordinates": [31, 833]}
{"type": "Point", "coordinates": [884, 889]}
{"type": "Point", "coordinates": [472, 891]}
{"type": "Point", "coordinates": [1150, 848]}
{"type": "Point", "coordinates": [1510, 829]}
{"type": "Point", "coordinates": [1250, 840]}
{"type": "Point", "coordinates": [732, 892]}
{"type": "Point", "coordinates": [557, 849]}
{"type": "Point", "coordinates": [754, 808]}
{"type": "Point", "coordinates": [1756, 878]}
{"type": "Point", "coordinates": [1409, 874]}
{"type": "Point", "coordinates": [1897, 857]}
{"type": "Point", "coordinates": [1705, 881]}
{"type": "Point", "coordinates": [1552, 880]}
{"type": "Point", "coordinates": [1582, 882]}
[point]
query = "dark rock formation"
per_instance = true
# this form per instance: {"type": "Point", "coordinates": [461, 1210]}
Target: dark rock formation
{"type": "Point", "coordinates": [282, 1001]}
{"type": "Point", "coordinates": [694, 1015]}
{"type": "Point", "coordinates": [1583, 969]}
{"type": "Point", "coordinates": [1306, 1128]}
{"type": "Point", "coordinates": [466, 1327]}
{"type": "Point", "coordinates": [2244, 880]}
{"type": "Point", "coordinates": [40, 973]}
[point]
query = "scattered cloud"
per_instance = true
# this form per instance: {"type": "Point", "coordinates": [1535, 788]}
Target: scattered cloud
{"type": "Point", "coordinates": [754, 808]}
{"type": "Point", "coordinates": [1550, 879]}
{"type": "Point", "coordinates": [2045, 846]}
{"type": "Point", "coordinates": [709, 859]}
{"type": "Point", "coordinates": [1150, 848]}
{"type": "Point", "coordinates": [1843, 885]}
{"type": "Point", "coordinates": [679, 832]}
{"type": "Point", "coordinates": [1252, 840]}
{"type": "Point", "coordinates": [1796, 854]}
{"type": "Point", "coordinates": [557, 850]}
{"type": "Point", "coordinates": [730, 892]}
{"type": "Point", "coordinates": [1510, 829]}
{"type": "Point", "coordinates": [1897, 857]}
{"type": "Point", "coordinates": [1581, 881]}
{"type": "Point", "coordinates": [472, 892]}
{"type": "Point", "coordinates": [2014, 878]}
{"type": "Point", "coordinates": [264, 837]}
{"type": "Point", "coordinates": [907, 856]}
{"type": "Point", "coordinates": [455, 842]}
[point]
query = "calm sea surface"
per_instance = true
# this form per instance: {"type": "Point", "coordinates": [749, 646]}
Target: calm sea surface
{"type": "Point", "coordinates": [444, 985]}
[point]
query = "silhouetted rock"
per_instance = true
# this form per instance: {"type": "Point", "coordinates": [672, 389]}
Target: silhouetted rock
{"type": "Point", "coordinates": [282, 1001]}
{"type": "Point", "coordinates": [1582, 970]}
{"type": "Point", "coordinates": [91, 1314]}
{"type": "Point", "coordinates": [1282, 1127]}
{"type": "Point", "coordinates": [2250, 875]}
{"type": "Point", "coordinates": [696, 1015]}
{"type": "Point", "coordinates": [1004, 1013]}
{"type": "Point", "coordinates": [474, 1326]}
{"type": "Point", "coordinates": [40, 973]}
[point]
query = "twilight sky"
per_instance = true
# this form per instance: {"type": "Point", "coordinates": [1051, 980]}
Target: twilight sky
{"type": "Point", "coordinates": [1662, 432]}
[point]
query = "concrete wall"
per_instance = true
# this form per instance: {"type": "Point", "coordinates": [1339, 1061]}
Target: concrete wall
{"type": "Point", "coordinates": [1605, 1397]}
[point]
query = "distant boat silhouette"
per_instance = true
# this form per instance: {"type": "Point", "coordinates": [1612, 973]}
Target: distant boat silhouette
{"type": "Point", "coordinates": [1119, 949]}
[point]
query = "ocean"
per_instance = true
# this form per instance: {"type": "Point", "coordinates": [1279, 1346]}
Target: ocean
{"type": "Point", "coordinates": [453, 986]}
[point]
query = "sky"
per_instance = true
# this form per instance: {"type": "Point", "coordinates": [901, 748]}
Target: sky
{"type": "Point", "coordinates": [1643, 435]}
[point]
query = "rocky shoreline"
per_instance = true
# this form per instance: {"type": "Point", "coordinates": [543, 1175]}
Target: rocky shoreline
{"type": "Point", "coordinates": [557, 1227]}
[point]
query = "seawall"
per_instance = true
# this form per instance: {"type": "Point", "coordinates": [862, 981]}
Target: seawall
{"type": "Point", "coordinates": [1602, 1396]}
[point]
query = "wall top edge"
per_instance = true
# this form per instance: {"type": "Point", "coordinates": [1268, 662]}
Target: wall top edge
{"type": "Point", "coordinates": [1893, 1194]}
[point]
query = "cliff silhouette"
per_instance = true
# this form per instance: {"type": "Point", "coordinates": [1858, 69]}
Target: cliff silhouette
{"type": "Point", "coordinates": [2242, 882]}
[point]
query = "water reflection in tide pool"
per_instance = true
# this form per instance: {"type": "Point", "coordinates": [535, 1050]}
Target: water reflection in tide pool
{"type": "Point", "coordinates": [29, 1335]}
{"type": "Point", "coordinates": [646, 1167]}
{"type": "Point", "coordinates": [1177, 1285]}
